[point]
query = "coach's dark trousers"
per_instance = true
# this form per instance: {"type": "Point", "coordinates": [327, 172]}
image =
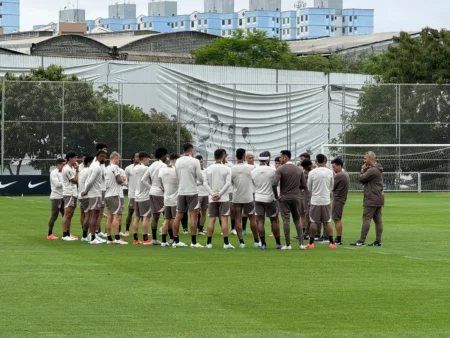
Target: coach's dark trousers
{"type": "Point", "coordinates": [370, 213]}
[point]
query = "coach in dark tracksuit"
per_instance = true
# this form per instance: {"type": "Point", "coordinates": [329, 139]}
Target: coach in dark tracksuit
{"type": "Point", "coordinates": [372, 179]}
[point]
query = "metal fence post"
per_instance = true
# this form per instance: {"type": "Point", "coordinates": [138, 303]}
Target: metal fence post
{"type": "Point", "coordinates": [178, 118]}
{"type": "Point", "coordinates": [119, 117]}
{"type": "Point", "coordinates": [234, 121]}
{"type": "Point", "coordinates": [62, 119]}
{"type": "Point", "coordinates": [419, 182]}
{"type": "Point", "coordinates": [3, 123]}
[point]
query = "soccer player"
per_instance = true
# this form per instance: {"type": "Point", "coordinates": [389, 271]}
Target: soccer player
{"type": "Point", "coordinates": [188, 173]}
{"type": "Point", "coordinates": [93, 190]}
{"type": "Point", "coordinates": [230, 193]}
{"type": "Point", "coordinates": [102, 147]}
{"type": "Point", "coordinates": [131, 180]}
{"type": "Point", "coordinates": [114, 204]}
{"type": "Point", "coordinates": [250, 159]}
{"type": "Point", "coordinates": [340, 192]}
{"type": "Point", "coordinates": [291, 180]}
{"type": "Point", "coordinates": [243, 204]}
{"type": "Point", "coordinates": [156, 191]}
{"type": "Point", "coordinates": [372, 179]}
{"type": "Point", "coordinates": [307, 166]}
{"type": "Point", "coordinates": [320, 184]}
{"type": "Point", "coordinates": [122, 198]}
{"type": "Point", "coordinates": [56, 197]}
{"type": "Point", "coordinates": [277, 162]}
{"type": "Point", "coordinates": [302, 157]}
{"type": "Point", "coordinates": [70, 180]}
{"type": "Point", "coordinates": [169, 184]}
{"type": "Point", "coordinates": [265, 203]}
{"type": "Point", "coordinates": [142, 197]}
{"type": "Point", "coordinates": [84, 200]}
{"type": "Point", "coordinates": [304, 196]}
{"type": "Point", "coordinates": [217, 183]}
{"type": "Point", "coordinates": [203, 198]}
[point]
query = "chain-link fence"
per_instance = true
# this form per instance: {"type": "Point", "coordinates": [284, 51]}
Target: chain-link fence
{"type": "Point", "coordinates": [42, 121]}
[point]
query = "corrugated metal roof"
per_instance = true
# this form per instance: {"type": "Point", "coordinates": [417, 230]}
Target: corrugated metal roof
{"type": "Point", "coordinates": [23, 42]}
{"type": "Point", "coordinates": [118, 41]}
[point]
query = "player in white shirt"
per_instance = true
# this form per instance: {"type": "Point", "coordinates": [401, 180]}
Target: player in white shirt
{"type": "Point", "coordinates": [156, 191]}
{"type": "Point", "coordinates": [131, 182]}
{"type": "Point", "coordinates": [93, 190]}
{"type": "Point", "coordinates": [101, 147]}
{"type": "Point", "coordinates": [265, 202]}
{"type": "Point", "coordinates": [217, 183]}
{"type": "Point", "coordinates": [169, 183]}
{"type": "Point", "coordinates": [56, 197]}
{"type": "Point", "coordinates": [250, 159]}
{"type": "Point", "coordinates": [122, 197]}
{"type": "Point", "coordinates": [203, 199]}
{"type": "Point", "coordinates": [243, 204]}
{"type": "Point", "coordinates": [114, 203]}
{"type": "Point", "coordinates": [70, 181]}
{"type": "Point", "coordinates": [232, 217]}
{"type": "Point", "coordinates": [84, 200]}
{"type": "Point", "coordinates": [142, 197]}
{"type": "Point", "coordinates": [189, 173]}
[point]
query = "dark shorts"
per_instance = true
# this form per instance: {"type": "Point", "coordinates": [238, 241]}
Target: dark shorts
{"type": "Point", "coordinates": [84, 204]}
{"type": "Point", "coordinates": [320, 214]}
{"type": "Point", "coordinates": [187, 203]}
{"type": "Point", "coordinates": [95, 203]}
{"type": "Point", "coordinates": [269, 209]}
{"type": "Point", "coordinates": [304, 206]}
{"type": "Point", "coordinates": [70, 202]}
{"type": "Point", "coordinates": [247, 208]}
{"type": "Point", "coordinates": [131, 204]}
{"type": "Point", "coordinates": [337, 211]}
{"type": "Point", "coordinates": [143, 209]}
{"type": "Point", "coordinates": [114, 205]}
{"type": "Point", "coordinates": [217, 209]}
{"type": "Point", "coordinates": [203, 202]}
{"type": "Point", "coordinates": [290, 207]}
{"type": "Point", "coordinates": [157, 204]}
{"type": "Point", "coordinates": [57, 206]}
{"type": "Point", "coordinates": [170, 213]}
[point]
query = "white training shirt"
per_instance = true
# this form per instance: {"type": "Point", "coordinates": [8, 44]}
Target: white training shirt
{"type": "Point", "coordinates": [262, 178]}
{"type": "Point", "coordinates": [56, 185]}
{"type": "Point", "coordinates": [202, 191]}
{"type": "Point", "coordinates": [229, 165]}
{"type": "Point", "coordinates": [122, 174]}
{"type": "Point", "coordinates": [131, 180]}
{"type": "Point", "coordinates": [82, 178]}
{"type": "Point", "coordinates": [103, 167]}
{"type": "Point", "coordinates": [169, 182]}
{"type": "Point", "coordinates": [112, 187]}
{"type": "Point", "coordinates": [189, 172]}
{"type": "Point", "coordinates": [68, 174]}
{"type": "Point", "coordinates": [218, 180]}
{"type": "Point", "coordinates": [95, 181]}
{"type": "Point", "coordinates": [142, 188]}
{"type": "Point", "coordinates": [320, 185]}
{"type": "Point", "coordinates": [241, 179]}
{"type": "Point", "coordinates": [156, 189]}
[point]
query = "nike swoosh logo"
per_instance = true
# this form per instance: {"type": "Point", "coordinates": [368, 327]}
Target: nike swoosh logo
{"type": "Point", "coordinates": [32, 186]}
{"type": "Point", "coordinates": [6, 185]}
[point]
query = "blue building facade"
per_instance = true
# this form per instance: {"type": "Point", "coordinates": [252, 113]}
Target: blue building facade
{"type": "Point", "coordinates": [10, 16]}
{"type": "Point", "coordinates": [357, 21]}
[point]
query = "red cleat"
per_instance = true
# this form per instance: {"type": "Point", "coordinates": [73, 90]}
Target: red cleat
{"type": "Point", "coordinates": [52, 237]}
{"type": "Point", "coordinates": [127, 234]}
{"type": "Point", "coordinates": [310, 246]}
{"type": "Point", "coordinates": [332, 246]}
{"type": "Point", "coordinates": [147, 242]}
{"type": "Point", "coordinates": [136, 242]}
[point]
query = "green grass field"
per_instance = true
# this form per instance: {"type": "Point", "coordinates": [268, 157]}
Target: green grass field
{"type": "Point", "coordinates": [58, 289]}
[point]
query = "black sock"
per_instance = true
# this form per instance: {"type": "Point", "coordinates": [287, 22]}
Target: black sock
{"type": "Point", "coordinates": [164, 238]}
{"type": "Point", "coordinates": [110, 238]}
{"type": "Point", "coordinates": [233, 224]}
{"type": "Point", "coordinates": [176, 239]}
{"type": "Point", "coordinates": [226, 241]}
{"type": "Point", "coordinates": [339, 239]}
{"type": "Point", "coordinates": [50, 231]}
{"type": "Point", "coordinates": [128, 227]}
{"type": "Point", "coordinates": [331, 239]}
{"type": "Point", "coordinates": [244, 223]}
{"type": "Point", "coordinates": [311, 240]}
{"type": "Point", "coordinates": [154, 234]}
{"type": "Point", "coordinates": [278, 240]}
{"type": "Point", "coordinates": [135, 237]}
{"type": "Point", "coordinates": [100, 228]}
{"type": "Point", "coordinates": [256, 240]}
{"type": "Point", "coordinates": [85, 233]}
{"type": "Point", "coordinates": [200, 228]}
{"type": "Point", "coordinates": [263, 240]}
{"type": "Point", "coordinates": [65, 234]}
{"type": "Point", "coordinates": [209, 240]}
{"type": "Point", "coordinates": [241, 241]}
{"type": "Point", "coordinates": [170, 233]}
{"type": "Point", "coordinates": [117, 237]}
{"type": "Point", "coordinates": [193, 239]}
{"type": "Point", "coordinates": [145, 237]}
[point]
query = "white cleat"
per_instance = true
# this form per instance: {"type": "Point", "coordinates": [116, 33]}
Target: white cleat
{"type": "Point", "coordinates": [228, 246]}
{"type": "Point", "coordinates": [208, 246]}
{"type": "Point", "coordinates": [185, 232]}
{"type": "Point", "coordinates": [257, 245]}
{"type": "Point", "coordinates": [102, 235]}
{"type": "Point", "coordinates": [85, 239]}
{"type": "Point", "coordinates": [171, 242]}
{"type": "Point", "coordinates": [120, 241]}
{"type": "Point", "coordinates": [96, 241]}
{"type": "Point", "coordinates": [286, 247]}
{"type": "Point", "coordinates": [156, 242]}
{"type": "Point", "coordinates": [110, 242]}
{"type": "Point", "coordinates": [69, 239]}
{"type": "Point", "coordinates": [234, 232]}
{"type": "Point", "coordinates": [197, 246]}
{"type": "Point", "coordinates": [179, 245]}
{"type": "Point", "coordinates": [100, 239]}
{"type": "Point", "coordinates": [89, 237]}
{"type": "Point", "coordinates": [302, 247]}
{"type": "Point", "coordinates": [165, 244]}
{"type": "Point", "coordinates": [121, 234]}
{"type": "Point", "coordinates": [242, 245]}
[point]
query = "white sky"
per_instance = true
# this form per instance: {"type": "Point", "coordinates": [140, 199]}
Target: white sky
{"type": "Point", "coordinates": [390, 15]}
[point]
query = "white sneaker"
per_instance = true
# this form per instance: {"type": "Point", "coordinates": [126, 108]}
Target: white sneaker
{"type": "Point", "coordinates": [197, 246]}
{"type": "Point", "coordinates": [185, 232]}
{"type": "Point", "coordinates": [180, 245]}
{"type": "Point", "coordinates": [208, 246]}
{"type": "Point", "coordinates": [257, 245]}
{"type": "Point", "coordinates": [121, 234]}
{"type": "Point", "coordinates": [302, 247]}
{"type": "Point", "coordinates": [102, 235]}
{"type": "Point", "coordinates": [242, 245]}
{"type": "Point", "coordinates": [120, 241]}
{"type": "Point", "coordinates": [110, 242]}
{"type": "Point", "coordinates": [96, 241]}
{"type": "Point", "coordinates": [69, 239]}
{"type": "Point", "coordinates": [156, 242]}
{"type": "Point", "coordinates": [85, 239]}
{"type": "Point", "coordinates": [234, 232]}
{"type": "Point", "coordinates": [171, 242]}
{"type": "Point", "coordinates": [165, 244]}
{"type": "Point", "coordinates": [228, 246]}
{"type": "Point", "coordinates": [202, 233]}
{"type": "Point", "coordinates": [286, 247]}
{"type": "Point", "coordinates": [100, 239]}
{"type": "Point", "coordinates": [89, 237]}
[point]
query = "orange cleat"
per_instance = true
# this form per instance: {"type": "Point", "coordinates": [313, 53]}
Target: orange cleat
{"type": "Point", "coordinates": [332, 246]}
{"type": "Point", "coordinates": [52, 237]}
{"type": "Point", "coordinates": [127, 234]}
{"type": "Point", "coordinates": [74, 237]}
{"type": "Point", "coordinates": [147, 242]}
{"type": "Point", "coordinates": [137, 242]}
{"type": "Point", "coordinates": [310, 246]}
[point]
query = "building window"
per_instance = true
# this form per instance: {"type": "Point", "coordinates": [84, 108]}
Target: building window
{"type": "Point", "coordinates": [332, 29]}
{"type": "Point", "coordinates": [356, 28]}
{"type": "Point", "coordinates": [301, 29]}
{"type": "Point", "coordinates": [332, 18]}
{"type": "Point", "coordinates": [343, 30]}
{"type": "Point", "coordinates": [288, 21]}
{"type": "Point", "coordinates": [351, 18]}
{"type": "Point", "coordinates": [192, 24]}
{"type": "Point", "coordinates": [240, 22]}
{"type": "Point", "coordinates": [145, 25]}
{"type": "Point", "coordinates": [254, 19]}
{"type": "Point", "coordinates": [298, 21]}
{"type": "Point", "coordinates": [199, 22]}
{"type": "Point", "coordinates": [306, 18]}
{"type": "Point", "coordinates": [301, 18]}
{"type": "Point", "coordinates": [284, 21]}
{"type": "Point", "coordinates": [298, 31]}
{"type": "Point", "coordinates": [205, 21]}
{"type": "Point", "coordinates": [335, 18]}
{"type": "Point", "coordinates": [350, 29]}
{"type": "Point", "coordinates": [176, 24]}
{"type": "Point", "coordinates": [278, 20]}
{"type": "Point", "coordinates": [328, 28]}
{"type": "Point", "coordinates": [123, 27]}
{"type": "Point", "coordinates": [150, 25]}
{"type": "Point", "coordinates": [182, 23]}
{"type": "Point", "coordinates": [139, 26]}
{"type": "Point", "coordinates": [356, 17]}
{"type": "Point", "coordinates": [343, 19]}
{"type": "Point", "coordinates": [172, 24]}
{"type": "Point", "coordinates": [328, 16]}
{"type": "Point", "coordinates": [248, 20]}
{"type": "Point", "coordinates": [278, 30]}
{"type": "Point", "coordinates": [229, 21]}
{"type": "Point", "coordinates": [223, 33]}
{"type": "Point", "coordinates": [306, 29]}
{"type": "Point", "coordinates": [223, 22]}
{"type": "Point", "coordinates": [289, 31]}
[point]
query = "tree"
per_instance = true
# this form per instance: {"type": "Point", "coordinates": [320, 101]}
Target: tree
{"type": "Point", "coordinates": [36, 103]}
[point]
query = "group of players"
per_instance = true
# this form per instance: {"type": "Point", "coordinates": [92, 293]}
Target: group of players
{"type": "Point", "coordinates": [177, 186]}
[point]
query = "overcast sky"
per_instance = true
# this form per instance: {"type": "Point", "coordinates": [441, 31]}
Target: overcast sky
{"type": "Point", "coordinates": [390, 15]}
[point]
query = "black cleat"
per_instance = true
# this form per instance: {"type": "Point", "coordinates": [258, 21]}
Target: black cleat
{"type": "Point", "coordinates": [376, 243]}
{"type": "Point", "coordinates": [338, 242]}
{"type": "Point", "coordinates": [358, 243]}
